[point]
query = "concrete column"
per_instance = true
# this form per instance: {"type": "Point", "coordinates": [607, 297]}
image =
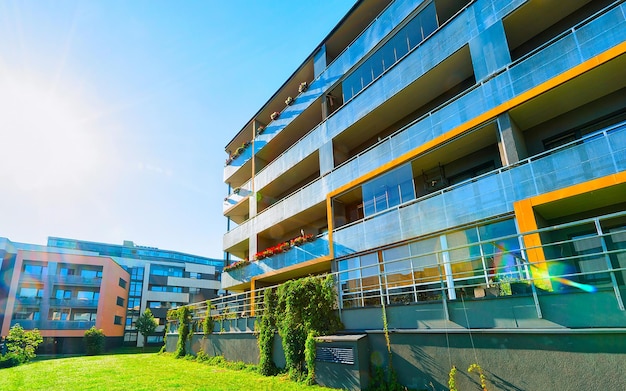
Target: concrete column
{"type": "Point", "coordinates": [511, 141]}
{"type": "Point", "coordinates": [489, 51]}
{"type": "Point", "coordinates": [326, 158]}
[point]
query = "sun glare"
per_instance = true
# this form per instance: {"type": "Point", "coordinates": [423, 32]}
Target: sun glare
{"type": "Point", "coordinates": [44, 142]}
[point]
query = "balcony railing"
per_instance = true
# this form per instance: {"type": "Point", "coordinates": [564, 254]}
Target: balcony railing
{"type": "Point", "coordinates": [73, 303]}
{"type": "Point", "coordinates": [296, 255]}
{"type": "Point", "coordinates": [594, 263]}
{"type": "Point", "coordinates": [54, 324]}
{"type": "Point", "coordinates": [76, 280]}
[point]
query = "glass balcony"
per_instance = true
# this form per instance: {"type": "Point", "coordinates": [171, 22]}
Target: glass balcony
{"type": "Point", "coordinates": [73, 303]}
{"type": "Point", "coordinates": [29, 301]}
{"type": "Point", "coordinates": [53, 324]}
{"type": "Point", "coordinates": [76, 280]}
{"type": "Point", "coordinates": [494, 193]}
{"type": "Point", "coordinates": [296, 255]}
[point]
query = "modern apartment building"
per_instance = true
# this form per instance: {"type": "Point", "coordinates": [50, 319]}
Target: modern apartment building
{"type": "Point", "coordinates": [159, 280]}
{"type": "Point", "coordinates": [462, 163]}
{"type": "Point", "coordinates": [63, 294]}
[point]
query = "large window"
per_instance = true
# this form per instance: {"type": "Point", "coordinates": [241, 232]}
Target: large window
{"type": "Point", "coordinates": [388, 190]}
{"type": "Point", "coordinates": [163, 288]}
{"type": "Point", "coordinates": [160, 270]}
{"type": "Point", "coordinates": [35, 270]}
{"type": "Point", "coordinates": [30, 292]}
{"type": "Point", "coordinates": [411, 35]}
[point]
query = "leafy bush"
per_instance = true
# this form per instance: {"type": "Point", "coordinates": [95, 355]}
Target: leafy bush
{"type": "Point", "coordinates": [9, 360]}
{"type": "Point", "coordinates": [94, 341]}
{"type": "Point", "coordinates": [22, 344]}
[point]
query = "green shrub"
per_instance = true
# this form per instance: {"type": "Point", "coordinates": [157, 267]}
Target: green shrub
{"type": "Point", "coordinates": [23, 343]}
{"type": "Point", "coordinates": [9, 360]}
{"type": "Point", "coordinates": [94, 341]}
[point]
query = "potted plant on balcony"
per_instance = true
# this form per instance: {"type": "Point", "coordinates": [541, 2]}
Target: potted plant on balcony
{"type": "Point", "coordinates": [289, 101]}
{"type": "Point", "coordinates": [260, 130]}
{"type": "Point", "coordinates": [303, 87]}
{"type": "Point", "coordinates": [274, 115]}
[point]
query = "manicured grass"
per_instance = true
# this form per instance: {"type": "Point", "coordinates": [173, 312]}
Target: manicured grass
{"type": "Point", "coordinates": [143, 371]}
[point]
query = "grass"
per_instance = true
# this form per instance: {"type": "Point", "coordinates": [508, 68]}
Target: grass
{"type": "Point", "coordinates": [137, 371]}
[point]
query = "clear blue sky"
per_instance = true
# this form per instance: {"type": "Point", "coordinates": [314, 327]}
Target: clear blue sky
{"type": "Point", "coordinates": [114, 115]}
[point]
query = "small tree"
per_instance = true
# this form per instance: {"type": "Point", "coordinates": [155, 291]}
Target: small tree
{"type": "Point", "coordinates": [94, 341]}
{"type": "Point", "coordinates": [22, 343]}
{"type": "Point", "coordinates": [146, 324]}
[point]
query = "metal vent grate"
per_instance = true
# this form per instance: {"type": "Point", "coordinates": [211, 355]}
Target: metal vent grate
{"type": "Point", "coordinates": [336, 355]}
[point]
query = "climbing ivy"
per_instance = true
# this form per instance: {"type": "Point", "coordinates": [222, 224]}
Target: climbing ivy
{"type": "Point", "coordinates": [267, 331]}
{"type": "Point", "coordinates": [183, 314]}
{"type": "Point", "coordinates": [307, 309]}
{"type": "Point", "coordinates": [208, 322]}
{"type": "Point", "coordinates": [381, 380]}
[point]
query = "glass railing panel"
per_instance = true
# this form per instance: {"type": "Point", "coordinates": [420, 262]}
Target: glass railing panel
{"type": "Point", "coordinates": [518, 182]}
{"type": "Point", "coordinates": [617, 142]}
{"type": "Point", "coordinates": [573, 165]}
{"type": "Point", "coordinates": [602, 33]}
{"type": "Point", "coordinates": [545, 64]}
{"type": "Point", "coordinates": [382, 229]}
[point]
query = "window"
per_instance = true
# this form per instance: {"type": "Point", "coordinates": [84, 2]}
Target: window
{"type": "Point", "coordinates": [136, 273]}
{"type": "Point", "coordinates": [36, 270]}
{"type": "Point", "coordinates": [162, 288]}
{"type": "Point", "coordinates": [60, 314]}
{"type": "Point", "coordinates": [30, 292]}
{"type": "Point", "coordinates": [87, 295]}
{"type": "Point", "coordinates": [117, 320]}
{"type": "Point", "coordinates": [122, 283]}
{"type": "Point", "coordinates": [160, 270]}
{"type": "Point", "coordinates": [66, 271]}
{"type": "Point", "coordinates": [195, 275]}
{"type": "Point", "coordinates": [393, 50]}
{"type": "Point", "coordinates": [154, 339]}
{"type": "Point", "coordinates": [135, 288]}
{"type": "Point", "coordinates": [134, 303]}
{"type": "Point", "coordinates": [120, 301]}
{"type": "Point", "coordinates": [130, 337]}
{"type": "Point", "coordinates": [84, 316]}
{"type": "Point", "coordinates": [87, 273]}
{"type": "Point", "coordinates": [61, 294]}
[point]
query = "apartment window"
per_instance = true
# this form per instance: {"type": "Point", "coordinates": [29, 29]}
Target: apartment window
{"type": "Point", "coordinates": [130, 337]}
{"type": "Point", "coordinates": [134, 303]}
{"type": "Point", "coordinates": [120, 301]}
{"type": "Point", "coordinates": [391, 52]}
{"type": "Point", "coordinates": [86, 273]}
{"type": "Point", "coordinates": [122, 283]}
{"type": "Point", "coordinates": [136, 273]}
{"type": "Point", "coordinates": [135, 288]}
{"type": "Point", "coordinates": [62, 294]}
{"type": "Point", "coordinates": [60, 314]}
{"type": "Point", "coordinates": [29, 292]}
{"type": "Point", "coordinates": [26, 315]}
{"type": "Point", "coordinates": [66, 271]}
{"type": "Point", "coordinates": [160, 270]}
{"type": "Point", "coordinates": [162, 288]}
{"type": "Point", "coordinates": [117, 320]}
{"type": "Point", "coordinates": [87, 295]}
{"type": "Point", "coordinates": [36, 270]}
{"type": "Point", "coordinates": [84, 316]}
{"type": "Point", "coordinates": [197, 276]}
{"type": "Point", "coordinates": [154, 339]}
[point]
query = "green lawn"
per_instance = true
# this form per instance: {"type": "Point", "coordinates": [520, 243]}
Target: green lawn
{"type": "Point", "coordinates": [135, 372]}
